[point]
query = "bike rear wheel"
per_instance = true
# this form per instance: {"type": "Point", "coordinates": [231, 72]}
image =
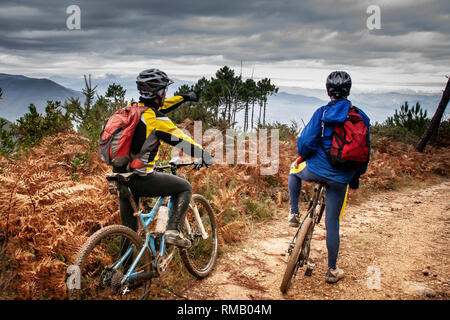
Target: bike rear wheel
{"type": "Point", "coordinates": [200, 258]}
{"type": "Point", "coordinates": [102, 251]}
{"type": "Point", "coordinates": [295, 254]}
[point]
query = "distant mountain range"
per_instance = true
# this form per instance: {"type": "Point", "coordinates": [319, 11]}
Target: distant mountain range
{"type": "Point", "coordinates": [19, 91]}
{"type": "Point", "coordinates": [289, 104]}
{"type": "Point", "coordinates": [378, 106]}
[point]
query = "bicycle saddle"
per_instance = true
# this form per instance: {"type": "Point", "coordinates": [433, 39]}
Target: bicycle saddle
{"type": "Point", "coordinates": [120, 177]}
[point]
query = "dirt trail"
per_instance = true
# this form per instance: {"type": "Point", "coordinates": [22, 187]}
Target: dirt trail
{"type": "Point", "coordinates": [394, 245]}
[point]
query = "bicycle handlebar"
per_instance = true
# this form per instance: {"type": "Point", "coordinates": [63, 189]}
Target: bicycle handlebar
{"type": "Point", "coordinates": [173, 166]}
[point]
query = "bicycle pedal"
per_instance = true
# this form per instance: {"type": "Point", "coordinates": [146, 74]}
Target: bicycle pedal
{"type": "Point", "coordinates": [309, 269]}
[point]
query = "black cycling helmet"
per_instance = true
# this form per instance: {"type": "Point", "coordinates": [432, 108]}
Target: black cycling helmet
{"type": "Point", "coordinates": [151, 81]}
{"type": "Point", "coordinates": [339, 84]}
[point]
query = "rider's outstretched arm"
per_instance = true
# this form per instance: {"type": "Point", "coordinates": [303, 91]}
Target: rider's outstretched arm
{"type": "Point", "coordinates": [171, 104]}
{"type": "Point", "coordinates": [174, 102]}
{"type": "Point", "coordinates": [168, 132]}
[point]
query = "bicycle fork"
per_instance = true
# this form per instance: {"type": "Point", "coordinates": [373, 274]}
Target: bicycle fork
{"type": "Point", "coordinates": [199, 221]}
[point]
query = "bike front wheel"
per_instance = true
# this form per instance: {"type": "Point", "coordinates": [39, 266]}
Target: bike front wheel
{"type": "Point", "coordinates": [295, 254]}
{"type": "Point", "coordinates": [201, 229]}
{"type": "Point", "coordinates": [103, 261]}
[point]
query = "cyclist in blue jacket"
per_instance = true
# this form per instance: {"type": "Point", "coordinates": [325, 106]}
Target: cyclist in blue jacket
{"type": "Point", "coordinates": [316, 166]}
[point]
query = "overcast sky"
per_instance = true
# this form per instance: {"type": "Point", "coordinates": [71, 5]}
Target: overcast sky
{"type": "Point", "coordinates": [295, 43]}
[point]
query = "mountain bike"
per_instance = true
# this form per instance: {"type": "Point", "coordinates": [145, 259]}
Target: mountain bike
{"type": "Point", "coordinates": [299, 248]}
{"type": "Point", "coordinates": [119, 263]}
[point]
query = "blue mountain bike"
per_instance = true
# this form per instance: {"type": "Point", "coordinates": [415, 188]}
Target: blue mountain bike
{"type": "Point", "coordinates": [119, 263]}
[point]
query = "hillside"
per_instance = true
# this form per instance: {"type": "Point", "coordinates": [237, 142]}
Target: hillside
{"type": "Point", "coordinates": [53, 199]}
{"type": "Point", "coordinates": [288, 104]}
{"type": "Point", "coordinates": [19, 91]}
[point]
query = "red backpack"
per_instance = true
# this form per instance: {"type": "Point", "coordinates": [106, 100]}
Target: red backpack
{"type": "Point", "coordinates": [117, 135]}
{"type": "Point", "coordinates": [349, 149]}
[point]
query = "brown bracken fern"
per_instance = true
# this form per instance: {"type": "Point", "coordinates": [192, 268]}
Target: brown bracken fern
{"type": "Point", "coordinates": [49, 206]}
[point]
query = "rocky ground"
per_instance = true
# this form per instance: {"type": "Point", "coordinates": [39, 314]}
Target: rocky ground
{"type": "Point", "coordinates": [394, 245]}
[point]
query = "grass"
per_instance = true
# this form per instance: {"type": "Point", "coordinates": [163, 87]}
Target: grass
{"type": "Point", "coordinates": [209, 187]}
{"type": "Point", "coordinates": [258, 209]}
{"type": "Point", "coordinates": [401, 134]}
{"type": "Point", "coordinates": [367, 190]}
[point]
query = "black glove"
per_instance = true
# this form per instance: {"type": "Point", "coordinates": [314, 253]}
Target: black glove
{"type": "Point", "coordinates": [354, 184]}
{"type": "Point", "coordinates": [206, 160]}
{"type": "Point", "coordinates": [192, 96]}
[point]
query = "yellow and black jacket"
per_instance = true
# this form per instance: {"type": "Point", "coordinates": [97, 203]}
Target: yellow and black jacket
{"type": "Point", "coordinates": [156, 128]}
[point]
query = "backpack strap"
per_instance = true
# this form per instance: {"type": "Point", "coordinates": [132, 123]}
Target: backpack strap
{"type": "Point", "coordinates": [331, 103]}
{"type": "Point", "coordinates": [323, 123]}
{"type": "Point", "coordinates": [135, 162]}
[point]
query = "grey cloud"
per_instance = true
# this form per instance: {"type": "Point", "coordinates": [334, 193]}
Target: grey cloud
{"type": "Point", "coordinates": [333, 32]}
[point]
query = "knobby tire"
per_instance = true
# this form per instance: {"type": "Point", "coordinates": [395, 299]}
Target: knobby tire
{"type": "Point", "coordinates": [293, 258]}
{"type": "Point", "coordinates": [205, 250]}
{"type": "Point", "coordinates": [84, 258]}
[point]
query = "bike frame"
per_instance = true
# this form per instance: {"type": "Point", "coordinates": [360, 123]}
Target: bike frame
{"type": "Point", "coordinates": [145, 220]}
{"type": "Point", "coordinates": [316, 198]}
{"type": "Point", "coordinates": [149, 244]}
{"type": "Point", "coordinates": [314, 208]}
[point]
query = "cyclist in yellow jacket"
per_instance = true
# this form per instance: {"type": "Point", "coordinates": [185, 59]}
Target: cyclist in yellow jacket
{"type": "Point", "coordinates": [153, 129]}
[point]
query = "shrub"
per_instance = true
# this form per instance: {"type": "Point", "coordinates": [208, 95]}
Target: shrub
{"type": "Point", "coordinates": [92, 116]}
{"type": "Point", "coordinates": [257, 209]}
{"type": "Point", "coordinates": [7, 142]}
{"type": "Point", "coordinates": [286, 132]}
{"type": "Point", "coordinates": [412, 119]}
{"type": "Point", "coordinates": [407, 125]}
{"type": "Point", "coordinates": [378, 131]}
{"type": "Point", "coordinates": [443, 135]}
{"type": "Point", "coordinates": [32, 127]}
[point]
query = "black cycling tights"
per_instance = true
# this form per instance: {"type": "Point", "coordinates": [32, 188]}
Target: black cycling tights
{"type": "Point", "coordinates": [158, 184]}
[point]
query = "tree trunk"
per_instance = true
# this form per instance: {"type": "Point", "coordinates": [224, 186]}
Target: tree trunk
{"type": "Point", "coordinates": [246, 117]}
{"type": "Point", "coordinates": [264, 116]}
{"type": "Point", "coordinates": [229, 112]}
{"type": "Point", "coordinates": [225, 115]}
{"type": "Point", "coordinates": [234, 115]}
{"type": "Point", "coordinates": [253, 111]}
{"type": "Point", "coordinates": [436, 120]}
{"type": "Point", "coordinates": [259, 116]}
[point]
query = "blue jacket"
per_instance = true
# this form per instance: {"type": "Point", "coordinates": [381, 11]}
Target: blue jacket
{"type": "Point", "coordinates": [308, 144]}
